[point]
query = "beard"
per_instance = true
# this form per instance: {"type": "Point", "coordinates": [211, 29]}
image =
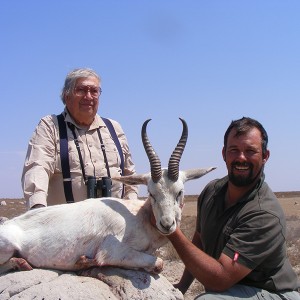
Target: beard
{"type": "Point", "coordinates": [242, 180]}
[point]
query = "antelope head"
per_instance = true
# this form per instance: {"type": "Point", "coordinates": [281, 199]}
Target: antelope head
{"type": "Point", "coordinates": [165, 185]}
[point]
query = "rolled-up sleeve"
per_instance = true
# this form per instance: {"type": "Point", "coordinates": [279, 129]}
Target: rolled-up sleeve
{"type": "Point", "coordinates": [39, 163]}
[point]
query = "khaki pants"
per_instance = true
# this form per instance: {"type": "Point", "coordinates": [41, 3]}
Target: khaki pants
{"type": "Point", "coordinates": [243, 292]}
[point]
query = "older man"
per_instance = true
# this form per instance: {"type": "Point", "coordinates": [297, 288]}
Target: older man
{"type": "Point", "coordinates": [95, 148]}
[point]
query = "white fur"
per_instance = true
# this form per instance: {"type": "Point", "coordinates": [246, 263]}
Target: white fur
{"type": "Point", "coordinates": [98, 232]}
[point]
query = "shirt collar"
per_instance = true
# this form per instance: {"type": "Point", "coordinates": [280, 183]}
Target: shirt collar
{"type": "Point", "coordinates": [221, 186]}
{"type": "Point", "coordinates": [97, 122]}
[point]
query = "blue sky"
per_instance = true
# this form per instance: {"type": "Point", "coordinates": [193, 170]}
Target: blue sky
{"type": "Point", "coordinates": [208, 62]}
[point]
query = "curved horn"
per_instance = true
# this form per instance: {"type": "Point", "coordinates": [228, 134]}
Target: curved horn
{"type": "Point", "coordinates": [152, 156]}
{"type": "Point", "coordinates": [173, 166]}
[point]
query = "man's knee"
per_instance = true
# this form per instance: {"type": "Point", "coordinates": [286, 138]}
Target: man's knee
{"type": "Point", "coordinates": [239, 292]}
{"type": "Point", "coordinates": [212, 296]}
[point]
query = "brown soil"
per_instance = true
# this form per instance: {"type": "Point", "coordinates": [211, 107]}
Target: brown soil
{"type": "Point", "coordinates": [290, 202]}
{"type": "Point", "coordinates": [10, 208]}
{"type": "Point", "coordinates": [290, 205]}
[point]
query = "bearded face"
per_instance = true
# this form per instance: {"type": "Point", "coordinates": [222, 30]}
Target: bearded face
{"type": "Point", "coordinates": [244, 158]}
{"type": "Point", "coordinates": [242, 174]}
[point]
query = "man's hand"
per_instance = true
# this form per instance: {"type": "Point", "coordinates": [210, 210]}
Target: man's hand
{"type": "Point", "coordinates": [37, 206]}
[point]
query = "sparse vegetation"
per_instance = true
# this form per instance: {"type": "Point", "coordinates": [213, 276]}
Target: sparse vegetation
{"type": "Point", "coordinates": [293, 241]}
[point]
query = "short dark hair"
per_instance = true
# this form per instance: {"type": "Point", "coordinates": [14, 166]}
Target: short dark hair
{"type": "Point", "coordinates": [244, 125]}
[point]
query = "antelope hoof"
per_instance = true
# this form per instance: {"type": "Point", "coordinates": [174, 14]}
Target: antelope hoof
{"type": "Point", "coordinates": [20, 264]}
{"type": "Point", "coordinates": [157, 268]}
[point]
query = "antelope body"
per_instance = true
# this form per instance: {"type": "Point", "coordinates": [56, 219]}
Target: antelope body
{"type": "Point", "coordinates": [104, 231]}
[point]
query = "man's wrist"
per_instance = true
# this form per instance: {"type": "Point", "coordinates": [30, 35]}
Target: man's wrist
{"type": "Point", "coordinates": [37, 206]}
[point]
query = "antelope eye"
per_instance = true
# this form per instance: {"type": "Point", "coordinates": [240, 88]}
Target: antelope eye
{"type": "Point", "coordinates": [151, 196]}
{"type": "Point", "coordinates": [179, 195]}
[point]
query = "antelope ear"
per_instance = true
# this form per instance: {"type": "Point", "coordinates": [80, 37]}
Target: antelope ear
{"type": "Point", "coordinates": [133, 179]}
{"type": "Point", "coordinates": [196, 173]}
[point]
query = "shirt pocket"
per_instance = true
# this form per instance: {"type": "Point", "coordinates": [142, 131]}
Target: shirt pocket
{"type": "Point", "coordinates": [111, 152]}
{"type": "Point", "coordinates": [72, 156]}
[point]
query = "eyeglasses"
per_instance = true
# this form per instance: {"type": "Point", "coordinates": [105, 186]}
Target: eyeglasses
{"type": "Point", "coordinates": [82, 90]}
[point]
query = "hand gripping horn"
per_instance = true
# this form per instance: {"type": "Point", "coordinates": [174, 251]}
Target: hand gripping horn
{"type": "Point", "coordinates": [173, 166]}
{"type": "Point", "coordinates": [154, 160]}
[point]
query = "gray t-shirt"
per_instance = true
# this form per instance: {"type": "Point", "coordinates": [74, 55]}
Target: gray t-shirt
{"type": "Point", "coordinates": [253, 231]}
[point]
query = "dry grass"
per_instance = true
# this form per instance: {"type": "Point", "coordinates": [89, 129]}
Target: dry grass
{"type": "Point", "coordinates": [293, 241]}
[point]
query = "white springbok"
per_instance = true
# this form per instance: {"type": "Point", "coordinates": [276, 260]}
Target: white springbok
{"type": "Point", "coordinates": [104, 231]}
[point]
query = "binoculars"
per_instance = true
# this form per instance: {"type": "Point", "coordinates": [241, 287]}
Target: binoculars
{"type": "Point", "coordinates": [98, 188]}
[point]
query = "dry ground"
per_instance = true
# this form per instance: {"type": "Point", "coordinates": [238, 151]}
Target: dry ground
{"type": "Point", "coordinates": [290, 202]}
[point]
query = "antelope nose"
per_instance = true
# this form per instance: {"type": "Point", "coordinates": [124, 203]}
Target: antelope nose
{"type": "Point", "coordinates": [167, 223]}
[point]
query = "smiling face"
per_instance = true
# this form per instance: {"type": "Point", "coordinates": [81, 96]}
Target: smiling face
{"type": "Point", "coordinates": [244, 157]}
{"type": "Point", "coordinates": [82, 103]}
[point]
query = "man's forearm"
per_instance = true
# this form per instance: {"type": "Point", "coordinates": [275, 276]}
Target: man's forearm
{"type": "Point", "coordinates": [201, 266]}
